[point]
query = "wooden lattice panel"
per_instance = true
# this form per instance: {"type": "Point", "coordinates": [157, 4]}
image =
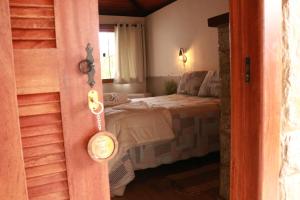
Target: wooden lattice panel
{"type": "Point", "coordinates": [33, 24]}
{"type": "Point", "coordinates": [43, 146]}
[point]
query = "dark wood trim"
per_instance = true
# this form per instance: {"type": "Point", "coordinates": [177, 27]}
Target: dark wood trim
{"type": "Point", "coordinates": [160, 7]}
{"type": "Point", "coordinates": [113, 25]}
{"type": "Point", "coordinates": [218, 20]}
{"type": "Point", "coordinates": [255, 119]}
{"type": "Point", "coordinates": [107, 80]}
{"type": "Point", "coordinates": [122, 14]}
{"type": "Point", "coordinates": [140, 9]}
{"type": "Point", "coordinates": [138, 12]}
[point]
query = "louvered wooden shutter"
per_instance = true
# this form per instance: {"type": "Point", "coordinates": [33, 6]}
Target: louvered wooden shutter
{"type": "Point", "coordinates": [33, 24]}
{"type": "Point", "coordinates": [49, 39]}
{"type": "Point", "coordinates": [43, 146]}
{"type": "Point", "coordinates": [33, 27]}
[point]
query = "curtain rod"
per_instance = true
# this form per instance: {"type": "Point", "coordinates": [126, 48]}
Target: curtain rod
{"type": "Point", "coordinates": [111, 27]}
{"type": "Point", "coordinates": [120, 24]}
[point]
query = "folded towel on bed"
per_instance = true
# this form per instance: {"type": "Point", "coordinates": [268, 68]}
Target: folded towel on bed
{"type": "Point", "coordinates": [113, 99]}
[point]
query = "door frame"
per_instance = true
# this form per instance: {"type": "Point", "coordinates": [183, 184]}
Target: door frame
{"type": "Point", "coordinates": [256, 32]}
{"type": "Point", "coordinates": [255, 106]}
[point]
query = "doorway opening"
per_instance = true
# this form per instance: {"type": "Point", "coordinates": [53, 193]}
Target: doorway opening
{"type": "Point", "coordinates": [186, 46]}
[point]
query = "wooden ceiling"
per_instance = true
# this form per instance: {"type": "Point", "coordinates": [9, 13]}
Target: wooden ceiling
{"type": "Point", "coordinates": [138, 8]}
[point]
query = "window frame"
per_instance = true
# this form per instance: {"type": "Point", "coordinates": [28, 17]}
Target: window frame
{"type": "Point", "coordinates": [107, 28]}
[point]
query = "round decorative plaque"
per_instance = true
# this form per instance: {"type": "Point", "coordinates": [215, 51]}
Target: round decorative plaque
{"type": "Point", "coordinates": [102, 146]}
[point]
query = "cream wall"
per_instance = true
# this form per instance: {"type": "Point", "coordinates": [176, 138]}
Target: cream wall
{"type": "Point", "coordinates": [128, 88]}
{"type": "Point", "coordinates": [183, 24]}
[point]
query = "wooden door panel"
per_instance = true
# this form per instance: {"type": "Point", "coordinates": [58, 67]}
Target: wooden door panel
{"type": "Point", "coordinates": [12, 173]}
{"type": "Point", "coordinates": [79, 124]}
{"type": "Point", "coordinates": [246, 101]}
{"type": "Point", "coordinates": [33, 24]}
{"type": "Point", "coordinates": [43, 149]}
{"type": "Point", "coordinates": [48, 159]}
{"type": "Point", "coordinates": [49, 38]}
{"type": "Point", "coordinates": [37, 70]}
{"type": "Point", "coordinates": [47, 179]}
{"type": "Point", "coordinates": [255, 33]}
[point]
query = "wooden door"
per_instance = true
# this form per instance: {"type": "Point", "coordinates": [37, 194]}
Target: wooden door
{"type": "Point", "coordinates": [45, 119]}
{"type": "Point", "coordinates": [255, 33]}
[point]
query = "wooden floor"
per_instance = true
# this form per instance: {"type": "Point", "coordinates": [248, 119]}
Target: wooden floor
{"type": "Point", "coordinates": [194, 179]}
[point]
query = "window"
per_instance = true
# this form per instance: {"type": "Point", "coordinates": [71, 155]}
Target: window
{"type": "Point", "coordinates": [107, 43]}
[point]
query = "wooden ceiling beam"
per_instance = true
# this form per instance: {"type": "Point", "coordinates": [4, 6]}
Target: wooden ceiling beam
{"type": "Point", "coordinates": [159, 6]}
{"type": "Point", "coordinates": [120, 13]}
{"type": "Point", "coordinates": [218, 20]}
{"type": "Point", "coordinates": [135, 8]}
{"type": "Point", "coordinates": [140, 9]}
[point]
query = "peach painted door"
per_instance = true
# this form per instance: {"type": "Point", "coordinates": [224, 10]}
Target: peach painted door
{"type": "Point", "coordinates": [48, 124]}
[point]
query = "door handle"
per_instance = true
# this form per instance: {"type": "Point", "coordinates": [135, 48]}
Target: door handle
{"type": "Point", "coordinates": [87, 66]}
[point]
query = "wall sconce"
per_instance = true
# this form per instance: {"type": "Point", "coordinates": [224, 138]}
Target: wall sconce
{"type": "Point", "coordinates": [182, 55]}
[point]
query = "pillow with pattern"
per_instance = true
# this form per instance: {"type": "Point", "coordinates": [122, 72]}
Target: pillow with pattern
{"type": "Point", "coordinates": [190, 82]}
{"type": "Point", "coordinates": [211, 86]}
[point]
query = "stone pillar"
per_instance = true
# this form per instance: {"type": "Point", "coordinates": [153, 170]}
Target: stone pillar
{"type": "Point", "coordinates": [224, 58]}
{"type": "Point", "coordinates": [290, 134]}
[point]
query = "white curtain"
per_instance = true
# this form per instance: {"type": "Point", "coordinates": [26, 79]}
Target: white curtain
{"type": "Point", "coordinates": [130, 53]}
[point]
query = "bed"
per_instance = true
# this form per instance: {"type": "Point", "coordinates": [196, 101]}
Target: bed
{"type": "Point", "coordinates": [160, 130]}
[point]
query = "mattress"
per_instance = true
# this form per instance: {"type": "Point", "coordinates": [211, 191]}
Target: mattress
{"type": "Point", "coordinates": [195, 124]}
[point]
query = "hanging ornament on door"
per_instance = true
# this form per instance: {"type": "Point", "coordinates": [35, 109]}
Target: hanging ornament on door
{"type": "Point", "coordinates": [103, 145]}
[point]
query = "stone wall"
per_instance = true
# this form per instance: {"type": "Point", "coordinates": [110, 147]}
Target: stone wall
{"type": "Point", "coordinates": [290, 135]}
{"type": "Point", "coordinates": [224, 59]}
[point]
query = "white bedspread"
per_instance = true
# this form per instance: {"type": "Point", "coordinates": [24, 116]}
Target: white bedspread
{"type": "Point", "coordinates": [136, 124]}
{"type": "Point", "coordinates": [145, 130]}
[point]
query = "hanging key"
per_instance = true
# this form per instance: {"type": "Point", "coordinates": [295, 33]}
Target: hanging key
{"type": "Point", "coordinates": [103, 145]}
{"type": "Point", "coordinates": [93, 100]}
